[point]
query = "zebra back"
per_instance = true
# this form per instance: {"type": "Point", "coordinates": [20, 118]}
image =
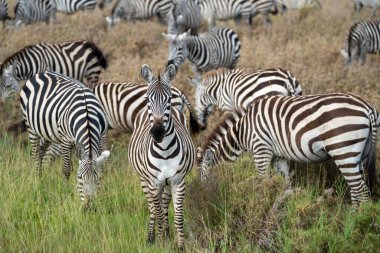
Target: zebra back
{"type": "Point", "coordinates": [72, 6]}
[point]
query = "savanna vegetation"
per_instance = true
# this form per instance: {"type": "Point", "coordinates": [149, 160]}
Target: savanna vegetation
{"type": "Point", "coordinates": [236, 211]}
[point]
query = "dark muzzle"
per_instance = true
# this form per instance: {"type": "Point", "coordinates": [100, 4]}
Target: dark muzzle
{"type": "Point", "coordinates": [157, 132]}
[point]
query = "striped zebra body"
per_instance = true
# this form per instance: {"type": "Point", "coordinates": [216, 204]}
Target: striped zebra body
{"type": "Point", "coordinates": [231, 89]}
{"type": "Point", "coordinates": [263, 7]}
{"type": "Point", "coordinates": [81, 60]}
{"type": "Point", "coordinates": [374, 4]}
{"type": "Point", "coordinates": [162, 153]}
{"type": "Point", "coordinates": [139, 9]}
{"type": "Point", "coordinates": [219, 47]}
{"type": "Point", "coordinates": [72, 6]}
{"type": "Point", "coordinates": [314, 128]}
{"type": "Point", "coordinates": [28, 12]}
{"type": "Point", "coordinates": [212, 10]}
{"type": "Point", "coordinates": [363, 38]}
{"type": "Point", "coordinates": [184, 15]}
{"type": "Point", "coordinates": [4, 10]}
{"type": "Point", "coordinates": [58, 109]}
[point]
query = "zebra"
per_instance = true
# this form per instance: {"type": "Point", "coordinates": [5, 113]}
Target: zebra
{"type": "Point", "coordinates": [81, 60]}
{"type": "Point", "coordinates": [363, 38]}
{"type": "Point", "coordinates": [375, 4]}
{"type": "Point", "coordinates": [138, 9]}
{"type": "Point", "coordinates": [4, 10]}
{"type": "Point", "coordinates": [229, 89]}
{"type": "Point", "coordinates": [184, 15]}
{"type": "Point", "coordinates": [312, 128]}
{"type": "Point", "coordinates": [297, 4]}
{"type": "Point", "coordinates": [263, 7]}
{"type": "Point", "coordinates": [162, 153]}
{"type": "Point", "coordinates": [219, 47]}
{"type": "Point", "coordinates": [104, 3]}
{"type": "Point", "coordinates": [72, 6]}
{"type": "Point", "coordinates": [28, 12]}
{"type": "Point", "coordinates": [58, 109]}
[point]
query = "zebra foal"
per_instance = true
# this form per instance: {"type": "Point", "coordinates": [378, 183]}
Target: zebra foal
{"type": "Point", "coordinates": [229, 89]}
{"type": "Point", "coordinates": [58, 109]}
{"type": "Point", "coordinates": [338, 126]}
{"type": "Point", "coordinates": [162, 153]}
{"type": "Point", "coordinates": [363, 38]}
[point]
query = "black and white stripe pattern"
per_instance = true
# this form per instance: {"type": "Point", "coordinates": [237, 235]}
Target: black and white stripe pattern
{"type": "Point", "coordinates": [72, 6]}
{"type": "Point", "coordinates": [338, 126]}
{"type": "Point", "coordinates": [139, 9]}
{"type": "Point", "coordinates": [4, 10]}
{"type": "Point", "coordinates": [374, 4]}
{"type": "Point", "coordinates": [58, 109]}
{"type": "Point", "coordinates": [184, 15]}
{"type": "Point", "coordinates": [28, 11]}
{"type": "Point", "coordinates": [263, 7]}
{"type": "Point", "coordinates": [81, 60]}
{"type": "Point", "coordinates": [219, 47]}
{"type": "Point", "coordinates": [363, 38]}
{"type": "Point", "coordinates": [230, 89]}
{"type": "Point", "coordinates": [162, 153]}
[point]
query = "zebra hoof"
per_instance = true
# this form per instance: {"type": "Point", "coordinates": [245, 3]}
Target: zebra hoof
{"type": "Point", "coordinates": [150, 239]}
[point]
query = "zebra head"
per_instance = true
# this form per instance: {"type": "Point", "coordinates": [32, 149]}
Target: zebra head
{"type": "Point", "coordinates": [8, 79]}
{"type": "Point", "coordinates": [205, 160]}
{"type": "Point", "coordinates": [178, 50]}
{"type": "Point", "coordinates": [89, 173]}
{"type": "Point", "coordinates": [159, 100]}
{"type": "Point", "coordinates": [204, 106]}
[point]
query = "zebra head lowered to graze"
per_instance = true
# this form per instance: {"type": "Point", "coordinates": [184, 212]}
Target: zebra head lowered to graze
{"type": "Point", "coordinates": [81, 60]}
{"type": "Point", "coordinates": [229, 89]}
{"type": "Point", "coordinates": [363, 38]}
{"type": "Point", "coordinates": [219, 47]}
{"type": "Point", "coordinates": [162, 153]}
{"type": "Point", "coordinates": [28, 12]}
{"type": "Point", "coordinates": [58, 109]}
{"type": "Point", "coordinates": [314, 128]}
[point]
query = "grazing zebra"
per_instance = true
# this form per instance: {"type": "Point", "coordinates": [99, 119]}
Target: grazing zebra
{"type": "Point", "coordinates": [212, 10]}
{"type": "Point", "coordinates": [263, 7]}
{"type": "Point", "coordinates": [81, 60]}
{"type": "Point", "coordinates": [28, 12]}
{"type": "Point", "coordinates": [58, 109]}
{"type": "Point", "coordinates": [138, 9]}
{"type": "Point", "coordinates": [219, 47]}
{"type": "Point", "coordinates": [363, 38]}
{"type": "Point", "coordinates": [4, 10]}
{"type": "Point", "coordinates": [229, 89]}
{"type": "Point", "coordinates": [314, 128]}
{"type": "Point", "coordinates": [297, 4]}
{"type": "Point", "coordinates": [184, 15]}
{"type": "Point", "coordinates": [72, 6]}
{"type": "Point", "coordinates": [375, 4]}
{"type": "Point", "coordinates": [162, 153]}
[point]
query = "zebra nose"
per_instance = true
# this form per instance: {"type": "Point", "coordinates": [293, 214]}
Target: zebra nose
{"type": "Point", "coordinates": [157, 132]}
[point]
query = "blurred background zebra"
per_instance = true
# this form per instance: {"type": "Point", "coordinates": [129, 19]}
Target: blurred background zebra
{"type": "Point", "coordinates": [62, 110]}
{"type": "Point", "coordinates": [72, 6]}
{"type": "Point", "coordinates": [184, 15]}
{"type": "Point", "coordinates": [297, 4]}
{"type": "Point", "coordinates": [4, 10]}
{"type": "Point", "coordinates": [139, 9]}
{"type": "Point", "coordinates": [374, 4]}
{"type": "Point", "coordinates": [263, 7]}
{"type": "Point", "coordinates": [219, 47]}
{"type": "Point", "coordinates": [28, 11]}
{"type": "Point", "coordinates": [81, 60]}
{"type": "Point", "coordinates": [162, 153]}
{"type": "Point", "coordinates": [363, 38]}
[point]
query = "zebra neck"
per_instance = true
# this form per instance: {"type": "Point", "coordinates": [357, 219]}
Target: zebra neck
{"type": "Point", "coordinates": [196, 48]}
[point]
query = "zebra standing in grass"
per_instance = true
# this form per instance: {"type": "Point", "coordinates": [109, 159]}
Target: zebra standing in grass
{"type": "Point", "coordinates": [72, 6]}
{"type": "Point", "coordinates": [4, 10]}
{"type": "Point", "coordinates": [58, 109]}
{"type": "Point", "coordinates": [162, 153]}
{"type": "Point", "coordinates": [230, 89]}
{"type": "Point", "coordinates": [28, 11]}
{"type": "Point", "coordinates": [363, 38]}
{"type": "Point", "coordinates": [139, 9]}
{"type": "Point", "coordinates": [81, 60]}
{"type": "Point", "coordinates": [184, 15]}
{"type": "Point", "coordinates": [313, 128]}
{"type": "Point", "coordinates": [219, 47]}
{"type": "Point", "coordinates": [375, 4]}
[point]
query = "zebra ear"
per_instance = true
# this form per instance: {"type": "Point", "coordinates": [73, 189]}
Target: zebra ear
{"type": "Point", "coordinates": [194, 82]}
{"type": "Point", "coordinates": [170, 73]}
{"type": "Point", "coordinates": [147, 73]}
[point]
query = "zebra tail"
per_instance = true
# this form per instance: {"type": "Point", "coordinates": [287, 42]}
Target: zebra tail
{"type": "Point", "coordinates": [194, 124]}
{"type": "Point", "coordinates": [99, 54]}
{"type": "Point", "coordinates": [370, 163]}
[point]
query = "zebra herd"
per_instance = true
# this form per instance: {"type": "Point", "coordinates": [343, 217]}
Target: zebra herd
{"type": "Point", "coordinates": [65, 107]}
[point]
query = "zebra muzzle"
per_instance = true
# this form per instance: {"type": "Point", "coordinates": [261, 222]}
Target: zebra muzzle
{"type": "Point", "coordinates": [157, 132]}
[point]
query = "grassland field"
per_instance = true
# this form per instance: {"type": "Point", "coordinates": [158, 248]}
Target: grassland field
{"type": "Point", "coordinates": [237, 211]}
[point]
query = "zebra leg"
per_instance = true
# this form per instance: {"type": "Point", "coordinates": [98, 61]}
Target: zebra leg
{"type": "Point", "coordinates": [166, 197]}
{"type": "Point", "coordinates": [151, 227]}
{"type": "Point", "coordinates": [66, 156]}
{"type": "Point", "coordinates": [363, 56]}
{"type": "Point", "coordinates": [157, 201]}
{"type": "Point", "coordinates": [178, 198]}
{"type": "Point", "coordinates": [36, 151]}
{"type": "Point", "coordinates": [263, 159]}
